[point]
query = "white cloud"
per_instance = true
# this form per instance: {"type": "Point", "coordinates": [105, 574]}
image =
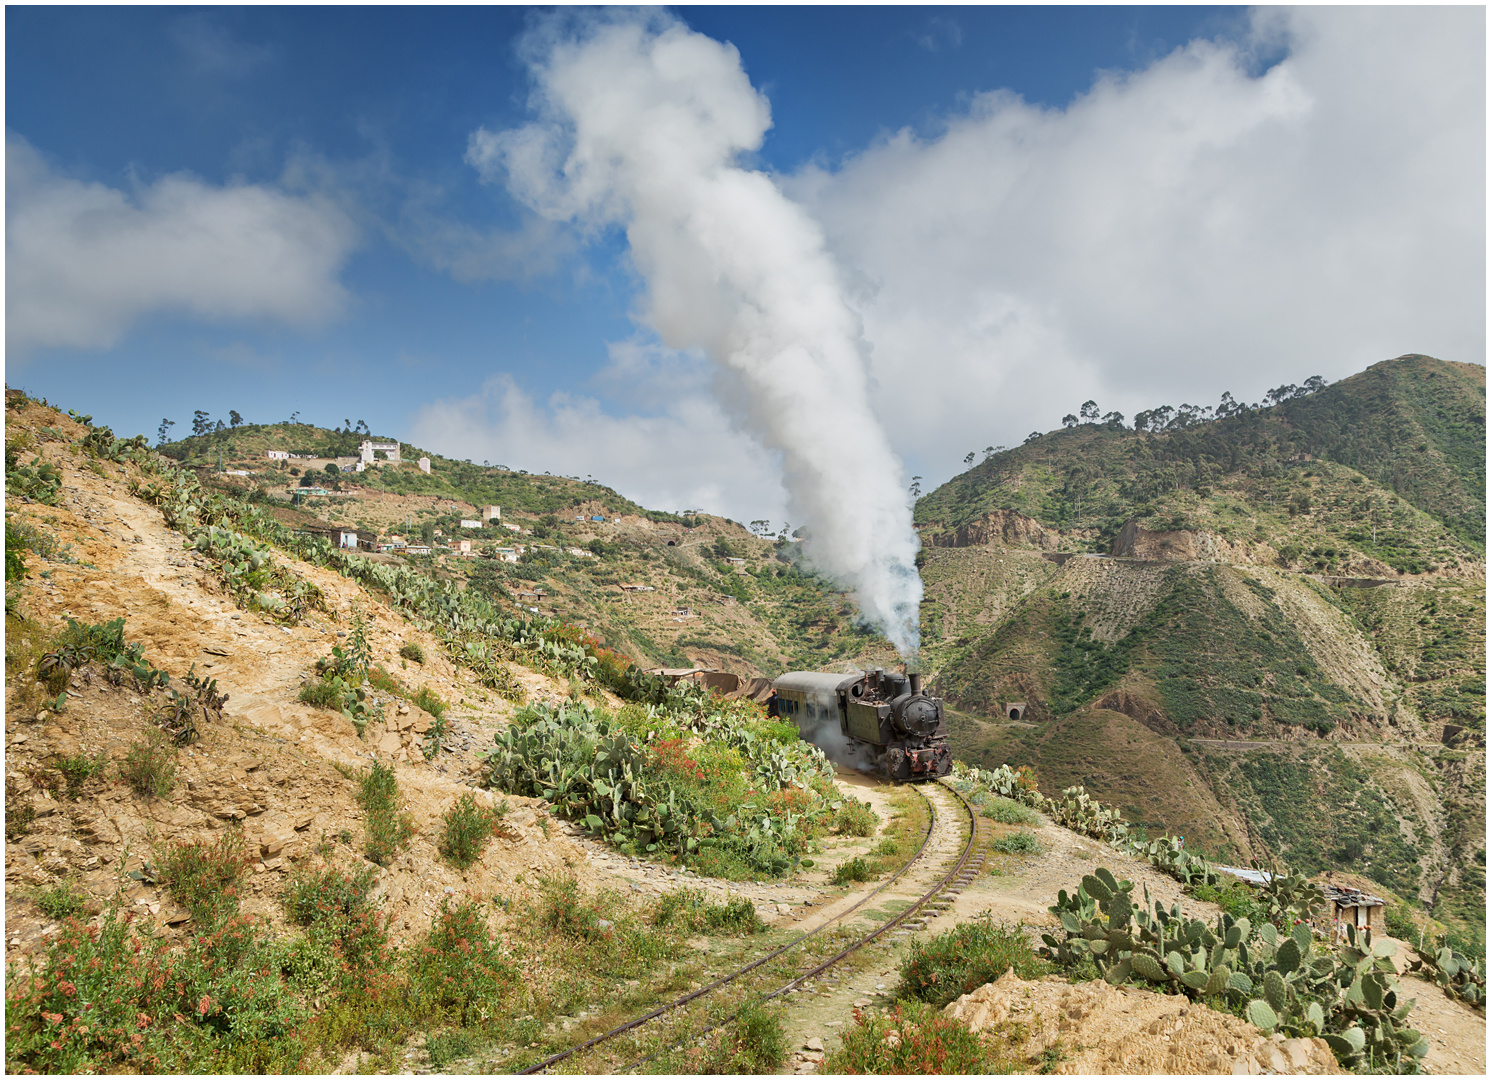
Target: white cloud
{"type": "Point", "coordinates": [685, 455]}
{"type": "Point", "coordinates": [1175, 232]}
{"type": "Point", "coordinates": [84, 261]}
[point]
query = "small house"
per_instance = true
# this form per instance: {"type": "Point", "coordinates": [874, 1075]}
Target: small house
{"type": "Point", "coordinates": [424, 465]}
{"type": "Point", "coordinates": [491, 513]}
{"type": "Point", "coordinates": [597, 517]}
{"type": "Point", "coordinates": [277, 455]}
{"type": "Point", "coordinates": [467, 523]}
{"type": "Point", "coordinates": [463, 546]}
{"type": "Point", "coordinates": [1352, 907]}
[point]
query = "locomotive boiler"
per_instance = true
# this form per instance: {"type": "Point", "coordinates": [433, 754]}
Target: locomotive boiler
{"type": "Point", "coordinates": [883, 715]}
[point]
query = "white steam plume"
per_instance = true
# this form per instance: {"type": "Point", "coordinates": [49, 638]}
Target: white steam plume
{"type": "Point", "coordinates": [641, 124]}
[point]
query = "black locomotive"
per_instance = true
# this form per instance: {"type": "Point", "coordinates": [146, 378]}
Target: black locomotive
{"type": "Point", "coordinates": [879, 714]}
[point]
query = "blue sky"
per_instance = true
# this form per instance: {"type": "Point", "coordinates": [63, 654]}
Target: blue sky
{"type": "Point", "coordinates": [282, 209]}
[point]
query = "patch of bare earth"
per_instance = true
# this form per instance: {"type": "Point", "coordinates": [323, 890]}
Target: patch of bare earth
{"type": "Point", "coordinates": [1094, 1028]}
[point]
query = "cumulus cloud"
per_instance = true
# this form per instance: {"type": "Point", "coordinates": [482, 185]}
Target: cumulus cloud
{"type": "Point", "coordinates": [1189, 228]}
{"type": "Point", "coordinates": [682, 455]}
{"type": "Point", "coordinates": [85, 261]}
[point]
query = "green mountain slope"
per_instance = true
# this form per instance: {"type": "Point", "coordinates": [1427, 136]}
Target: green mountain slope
{"type": "Point", "coordinates": [1264, 632]}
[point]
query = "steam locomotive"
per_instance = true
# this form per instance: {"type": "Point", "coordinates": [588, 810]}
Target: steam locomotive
{"type": "Point", "coordinates": [879, 714]}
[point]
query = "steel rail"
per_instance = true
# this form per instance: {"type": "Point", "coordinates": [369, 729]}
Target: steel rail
{"type": "Point", "coordinates": [960, 868]}
{"type": "Point", "coordinates": [709, 988]}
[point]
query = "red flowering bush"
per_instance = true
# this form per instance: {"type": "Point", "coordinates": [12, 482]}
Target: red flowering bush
{"type": "Point", "coordinates": [460, 968]}
{"type": "Point", "coordinates": [911, 1038]}
{"type": "Point", "coordinates": [670, 756]}
{"type": "Point", "coordinates": [109, 999]}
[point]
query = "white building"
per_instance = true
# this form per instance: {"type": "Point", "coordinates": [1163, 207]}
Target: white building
{"type": "Point", "coordinates": [424, 465]}
{"type": "Point", "coordinates": [278, 455]}
{"type": "Point", "coordinates": [490, 512]}
{"type": "Point", "coordinates": [370, 449]}
{"type": "Point", "coordinates": [467, 523]}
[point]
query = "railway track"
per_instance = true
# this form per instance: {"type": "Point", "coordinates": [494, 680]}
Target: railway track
{"type": "Point", "coordinates": [939, 848]}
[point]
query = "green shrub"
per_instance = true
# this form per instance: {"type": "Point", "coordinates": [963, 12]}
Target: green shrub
{"type": "Point", "coordinates": [912, 1038]}
{"type": "Point", "coordinates": [1235, 898]}
{"type": "Point", "coordinates": [76, 769]}
{"type": "Point", "coordinates": [61, 900]}
{"type": "Point", "coordinates": [753, 1043]}
{"type": "Point", "coordinates": [1008, 811]}
{"type": "Point", "coordinates": [388, 828]}
{"type": "Point", "coordinates": [856, 869]}
{"type": "Point", "coordinates": [855, 818]}
{"type": "Point", "coordinates": [430, 702]}
{"type": "Point", "coordinates": [411, 650]}
{"type": "Point", "coordinates": [1017, 843]}
{"type": "Point", "coordinates": [149, 767]}
{"type": "Point", "coordinates": [15, 554]}
{"type": "Point", "coordinates": [444, 1047]}
{"type": "Point", "coordinates": [468, 825]}
{"type": "Point", "coordinates": [204, 877]}
{"type": "Point", "coordinates": [692, 910]}
{"type": "Point", "coordinates": [960, 960]}
{"type": "Point", "coordinates": [322, 693]}
{"type": "Point", "coordinates": [1399, 921]}
{"type": "Point", "coordinates": [889, 846]}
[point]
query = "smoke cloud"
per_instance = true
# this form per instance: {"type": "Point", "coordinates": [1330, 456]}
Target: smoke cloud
{"type": "Point", "coordinates": [642, 124]}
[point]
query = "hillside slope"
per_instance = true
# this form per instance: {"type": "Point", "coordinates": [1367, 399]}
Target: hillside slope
{"type": "Point", "coordinates": [584, 545]}
{"type": "Point", "coordinates": [1264, 632]}
{"type": "Point", "coordinates": [282, 778]}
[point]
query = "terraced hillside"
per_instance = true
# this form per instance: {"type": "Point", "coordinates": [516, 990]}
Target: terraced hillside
{"type": "Point", "coordinates": [1264, 632]}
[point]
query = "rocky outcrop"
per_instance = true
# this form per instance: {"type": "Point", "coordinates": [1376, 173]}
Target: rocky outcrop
{"type": "Point", "coordinates": [1000, 527]}
{"type": "Point", "coordinates": [1186, 545]}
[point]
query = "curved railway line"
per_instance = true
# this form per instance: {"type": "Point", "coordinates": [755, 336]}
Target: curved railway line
{"type": "Point", "coordinates": [922, 867]}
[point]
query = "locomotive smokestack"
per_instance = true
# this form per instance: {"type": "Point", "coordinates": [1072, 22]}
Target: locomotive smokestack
{"type": "Point", "coordinates": [916, 682]}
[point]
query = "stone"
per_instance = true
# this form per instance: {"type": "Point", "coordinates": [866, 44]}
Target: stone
{"type": "Point", "coordinates": [275, 843]}
{"type": "Point", "coordinates": [175, 915]}
{"type": "Point", "coordinates": [814, 1043]}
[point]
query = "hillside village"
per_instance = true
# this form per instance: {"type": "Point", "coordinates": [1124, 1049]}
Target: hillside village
{"type": "Point", "coordinates": [1060, 635]}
